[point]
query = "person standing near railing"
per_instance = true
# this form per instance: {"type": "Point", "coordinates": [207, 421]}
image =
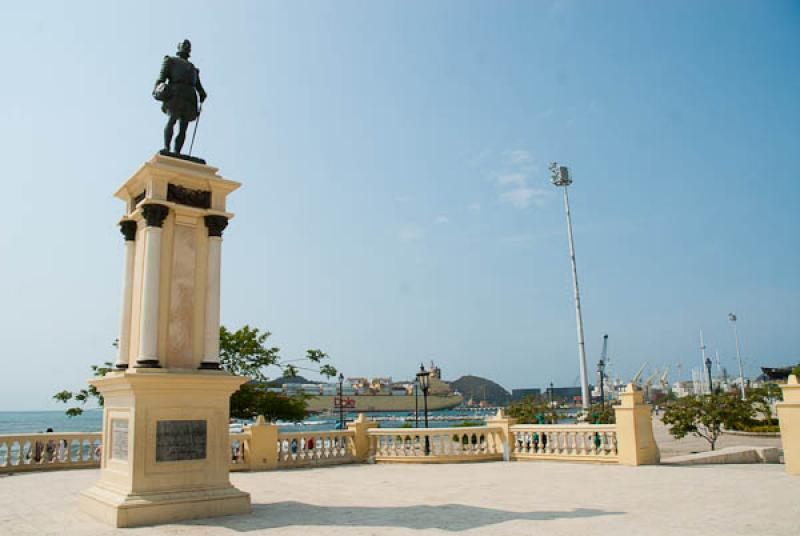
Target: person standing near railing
{"type": "Point", "coordinates": [50, 449]}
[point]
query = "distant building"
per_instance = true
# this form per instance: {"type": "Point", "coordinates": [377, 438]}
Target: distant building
{"type": "Point", "coordinates": [570, 394]}
{"type": "Point", "coordinates": [520, 394]}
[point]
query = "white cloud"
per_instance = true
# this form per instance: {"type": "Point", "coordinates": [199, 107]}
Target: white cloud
{"type": "Point", "coordinates": [517, 156]}
{"type": "Point", "coordinates": [441, 219]}
{"type": "Point", "coordinates": [523, 197]}
{"type": "Point", "coordinates": [475, 208]}
{"type": "Point", "coordinates": [511, 178]}
{"type": "Point", "coordinates": [411, 232]}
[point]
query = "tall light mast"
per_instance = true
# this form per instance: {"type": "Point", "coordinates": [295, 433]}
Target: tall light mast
{"type": "Point", "coordinates": [559, 176]}
{"type": "Point", "coordinates": [732, 318]}
{"type": "Point", "coordinates": [703, 358]}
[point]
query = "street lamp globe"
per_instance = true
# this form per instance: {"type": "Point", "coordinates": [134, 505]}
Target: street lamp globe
{"type": "Point", "coordinates": [423, 377]}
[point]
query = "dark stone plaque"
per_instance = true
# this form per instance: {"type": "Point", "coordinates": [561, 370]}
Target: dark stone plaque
{"type": "Point", "coordinates": [180, 440]}
{"type": "Point", "coordinates": [187, 196]}
{"type": "Point", "coordinates": [119, 439]}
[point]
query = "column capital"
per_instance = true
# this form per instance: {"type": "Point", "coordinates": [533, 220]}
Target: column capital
{"type": "Point", "coordinates": [128, 230]}
{"type": "Point", "coordinates": [216, 224]}
{"type": "Point", "coordinates": [155, 214]}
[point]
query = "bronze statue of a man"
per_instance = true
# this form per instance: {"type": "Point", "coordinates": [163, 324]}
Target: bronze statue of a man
{"type": "Point", "coordinates": [178, 87]}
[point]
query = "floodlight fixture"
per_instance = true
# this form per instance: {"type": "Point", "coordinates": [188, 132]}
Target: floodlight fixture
{"type": "Point", "coordinates": [559, 175]}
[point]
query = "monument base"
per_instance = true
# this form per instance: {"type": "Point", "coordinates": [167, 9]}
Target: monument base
{"type": "Point", "coordinates": [166, 448]}
{"type": "Point", "coordinates": [119, 510]}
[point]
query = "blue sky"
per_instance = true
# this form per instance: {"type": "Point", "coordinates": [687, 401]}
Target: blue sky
{"type": "Point", "coordinates": [395, 205]}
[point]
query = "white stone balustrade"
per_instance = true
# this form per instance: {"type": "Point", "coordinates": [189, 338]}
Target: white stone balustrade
{"type": "Point", "coordinates": [299, 449]}
{"type": "Point", "coordinates": [444, 445]}
{"type": "Point", "coordinates": [569, 442]}
{"type": "Point", "coordinates": [262, 446]}
{"type": "Point", "coordinates": [238, 442]}
{"type": "Point", "coordinates": [48, 451]}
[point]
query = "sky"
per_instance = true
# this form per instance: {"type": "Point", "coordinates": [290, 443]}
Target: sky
{"type": "Point", "coordinates": [395, 205]}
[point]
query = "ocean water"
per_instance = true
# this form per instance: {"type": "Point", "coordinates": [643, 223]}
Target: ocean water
{"type": "Point", "coordinates": [27, 422]}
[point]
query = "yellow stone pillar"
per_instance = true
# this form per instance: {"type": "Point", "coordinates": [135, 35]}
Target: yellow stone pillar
{"type": "Point", "coordinates": [261, 448]}
{"type": "Point", "coordinates": [789, 420]}
{"type": "Point", "coordinates": [166, 447]}
{"type": "Point", "coordinates": [504, 422]}
{"type": "Point", "coordinates": [360, 427]}
{"type": "Point", "coordinates": [635, 441]}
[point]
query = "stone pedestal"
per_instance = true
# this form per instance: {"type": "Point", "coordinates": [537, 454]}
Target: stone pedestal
{"type": "Point", "coordinates": [635, 441]}
{"type": "Point", "coordinates": [165, 454]}
{"type": "Point", "coordinates": [789, 420]}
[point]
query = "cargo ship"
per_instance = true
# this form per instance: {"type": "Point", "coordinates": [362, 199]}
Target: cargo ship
{"type": "Point", "coordinates": [375, 395]}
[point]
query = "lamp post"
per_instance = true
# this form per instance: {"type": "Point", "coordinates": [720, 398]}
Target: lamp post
{"type": "Point", "coordinates": [416, 403]}
{"type": "Point", "coordinates": [423, 378]}
{"type": "Point", "coordinates": [341, 401]}
{"type": "Point", "coordinates": [551, 395]}
{"type": "Point", "coordinates": [601, 368]}
{"type": "Point", "coordinates": [732, 318]}
{"type": "Point", "coordinates": [708, 373]}
{"type": "Point", "coordinates": [560, 177]}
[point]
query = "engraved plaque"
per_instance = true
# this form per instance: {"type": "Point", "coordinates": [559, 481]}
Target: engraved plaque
{"type": "Point", "coordinates": [180, 440]}
{"type": "Point", "coordinates": [119, 439]}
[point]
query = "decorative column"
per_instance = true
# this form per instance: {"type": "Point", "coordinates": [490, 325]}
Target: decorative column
{"type": "Point", "coordinates": [128, 230]}
{"type": "Point", "coordinates": [216, 224]}
{"type": "Point", "coordinates": [154, 215]}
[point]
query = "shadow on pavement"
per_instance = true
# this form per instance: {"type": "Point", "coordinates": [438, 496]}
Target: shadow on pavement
{"type": "Point", "coordinates": [451, 517]}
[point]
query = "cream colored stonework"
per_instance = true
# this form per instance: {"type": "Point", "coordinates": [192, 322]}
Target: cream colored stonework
{"type": "Point", "coordinates": [183, 257]}
{"type": "Point", "coordinates": [789, 419]}
{"type": "Point", "coordinates": [168, 321]}
{"type": "Point", "coordinates": [635, 440]}
{"type": "Point", "coordinates": [139, 490]}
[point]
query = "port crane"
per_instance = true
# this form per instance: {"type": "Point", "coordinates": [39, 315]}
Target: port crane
{"type": "Point", "coordinates": [649, 381]}
{"type": "Point", "coordinates": [662, 381]}
{"type": "Point", "coordinates": [638, 375]}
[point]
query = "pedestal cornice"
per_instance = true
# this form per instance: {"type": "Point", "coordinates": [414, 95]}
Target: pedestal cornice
{"type": "Point", "coordinates": [166, 170]}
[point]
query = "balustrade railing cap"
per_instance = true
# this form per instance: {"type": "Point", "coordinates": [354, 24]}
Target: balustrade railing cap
{"type": "Point", "coordinates": [791, 390]}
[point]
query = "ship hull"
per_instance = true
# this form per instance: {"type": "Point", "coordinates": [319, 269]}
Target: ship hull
{"type": "Point", "coordinates": [375, 403]}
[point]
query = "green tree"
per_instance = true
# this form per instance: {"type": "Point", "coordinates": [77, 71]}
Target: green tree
{"type": "Point", "coordinates": [252, 400]}
{"type": "Point", "coordinates": [706, 415]}
{"type": "Point", "coordinates": [531, 410]}
{"type": "Point", "coordinates": [760, 398]}
{"type": "Point", "coordinates": [602, 414]}
{"type": "Point", "coordinates": [243, 352]}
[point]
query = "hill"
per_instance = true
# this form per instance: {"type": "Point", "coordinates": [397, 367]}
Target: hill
{"type": "Point", "coordinates": [478, 389]}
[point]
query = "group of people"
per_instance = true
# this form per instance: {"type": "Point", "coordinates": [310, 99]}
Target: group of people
{"type": "Point", "coordinates": [52, 451]}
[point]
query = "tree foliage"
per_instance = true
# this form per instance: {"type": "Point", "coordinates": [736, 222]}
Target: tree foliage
{"type": "Point", "coordinates": [706, 415]}
{"type": "Point", "coordinates": [760, 398]}
{"type": "Point", "coordinates": [252, 400]}
{"type": "Point", "coordinates": [602, 414]}
{"type": "Point", "coordinates": [532, 410]}
{"type": "Point", "coordinates": [243, 352]}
